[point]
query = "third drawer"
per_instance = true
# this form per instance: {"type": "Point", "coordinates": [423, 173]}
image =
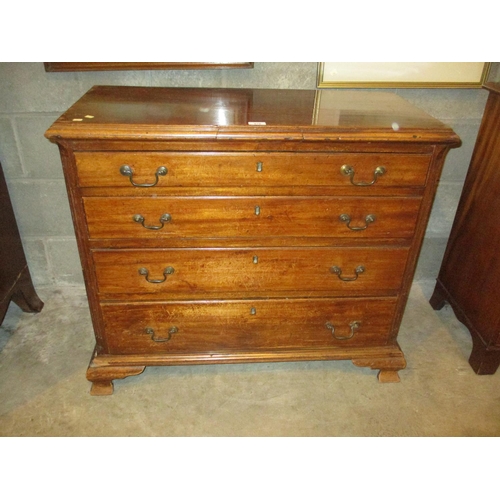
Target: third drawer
{"type": "Point", "coordinates": [250, 272]}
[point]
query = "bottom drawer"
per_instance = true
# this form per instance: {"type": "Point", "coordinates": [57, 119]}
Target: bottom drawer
{"type": "Point", "coordinates": [222, 326]}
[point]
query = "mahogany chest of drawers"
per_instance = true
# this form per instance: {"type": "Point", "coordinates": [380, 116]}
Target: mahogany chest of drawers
{"type": "Point", "coordinates": [470, 272]}
{"type": "Point", "coordinates": [15, 279]}
{"type": "Point", "coordinates": [240, 225]}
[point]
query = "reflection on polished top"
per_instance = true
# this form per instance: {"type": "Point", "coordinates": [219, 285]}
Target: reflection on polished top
{"type": "Point", "coordinates": [160, 113]}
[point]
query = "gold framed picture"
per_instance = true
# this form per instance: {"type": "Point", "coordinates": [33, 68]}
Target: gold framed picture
{"type": "Point", "coordinates": [402, 74]}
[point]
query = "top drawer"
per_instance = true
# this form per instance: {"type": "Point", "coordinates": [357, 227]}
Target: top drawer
{"type": "Point", "coordinates": [157, 170]}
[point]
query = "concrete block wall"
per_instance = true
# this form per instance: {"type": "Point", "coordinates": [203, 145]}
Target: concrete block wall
{"type": "Point", "coordinates": [31, 99]}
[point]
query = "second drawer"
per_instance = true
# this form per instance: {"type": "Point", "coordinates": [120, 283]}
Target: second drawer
{"type": "Point", "coordinates": [224, 217]}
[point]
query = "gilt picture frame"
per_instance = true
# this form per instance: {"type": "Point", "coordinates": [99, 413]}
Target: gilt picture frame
{"type": "Point", "coordinates": [401, 74]}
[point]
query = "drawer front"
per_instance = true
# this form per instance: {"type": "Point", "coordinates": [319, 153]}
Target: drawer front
{"type": "Point", "coordinates": [204, 326]}
{"type": "Point", "coordinates": [219, 217]}
{"type": "Point", "coordinates": [123, 169]}
{"type": "Point", "coordinates": [250, 272]}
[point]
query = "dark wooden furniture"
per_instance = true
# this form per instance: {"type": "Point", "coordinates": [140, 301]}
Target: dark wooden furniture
{"type": "Point", "coordinates": [228, 226]}
{"type": "Point", "coordinates": [15, 278]}
{"type": "Point", "coordinates": [135, 66]}
{"type": "Point", "coordinates": [470, 273]}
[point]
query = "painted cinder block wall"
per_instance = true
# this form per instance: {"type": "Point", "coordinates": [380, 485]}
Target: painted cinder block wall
{"type": "Point", "coordinates": [31, 99]}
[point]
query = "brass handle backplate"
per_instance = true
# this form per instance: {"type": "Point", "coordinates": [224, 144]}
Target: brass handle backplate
{"type": "Point", "coordinates": [349, 170]}
{"type": "Point", "coordinates": [144, 272]}
{"type": "Point", "coordinates": [338, 271]}
{"type": "Point", "coordinates": [170, 332]}
{"type": "Point", "coordinates": [127, 171]}
{"type": "Point", "coordinates": [347, 219]}
{"type": "Point", "coordinates": [163, 219]}
{"type": "Point", "coordinates": [354, 326]}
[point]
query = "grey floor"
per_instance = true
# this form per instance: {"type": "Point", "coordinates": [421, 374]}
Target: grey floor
{"type": "Point", "coordinates": [44, 392]}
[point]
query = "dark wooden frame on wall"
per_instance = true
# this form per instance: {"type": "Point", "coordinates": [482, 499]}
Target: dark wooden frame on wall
{"type": "Point", "coordinates": [133, 66]}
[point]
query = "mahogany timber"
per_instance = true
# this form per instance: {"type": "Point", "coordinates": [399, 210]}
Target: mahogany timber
{"type": "Point", "coordinates": [247, 225]}
{"type": "Point", "coordinates": [227, 325]}
{"type": "Point", "coordinates": [470, 272]}
{"type": "Point", "coordinates": [290, 216]}
{"type": "Point", "coordinates": [239, 169]}
{"type": "Point", "coordinates": [240, 272]}
{"type": "Point", "coordinates": [15, 279]}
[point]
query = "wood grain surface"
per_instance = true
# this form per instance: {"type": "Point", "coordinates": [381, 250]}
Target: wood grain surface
{"type": "Point", "coordinates": [247, 225]}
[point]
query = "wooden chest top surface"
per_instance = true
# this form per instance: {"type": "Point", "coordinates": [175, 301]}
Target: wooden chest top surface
{"type": "Point", "coordinates": [154, 113]}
